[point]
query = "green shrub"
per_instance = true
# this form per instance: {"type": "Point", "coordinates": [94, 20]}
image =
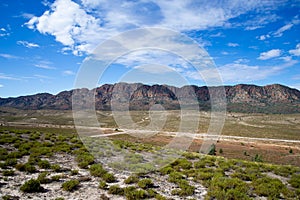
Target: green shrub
{"type": "Point", "coordinates": [212, 150]}
{"type": "Point", "coordinates": [31, 186]}
{"type": "Point", "coordinates": [160, 197]}
{"type": "Point", "coordinates": [56, 178]}
{"type": "Point", "coordinates": [11, 162]}
{"type": "Point", "coordinates": [102, 185]}
{"type": "Point", "coordinates": [8, 173]}
{"type": "Point", "coordinates": [257, 158]}
{"type": "Point", "coordinates": [131, 193]}
{"type": "Point", "coordinates": [185, 189]}
{"type": "Point", "coordinates": [227, 188]}
{"type": "Point", "coordinates": [83, 164]}
{"type": "Point", "coordinates": [181, 164]}
{"type": "Point", "coordinates": [3, 153]}
{"type": "Point", "coordinates": [268, 187]}
{"type": "Point", "coordinates": [108, 177]}
{"type": "Point", "coordinates": [175, 177]}
{"type": "Point", "coordinates": [145, 183]}
{"type": "Point", "coordinates": [44, 164]}
{"type": "Point", "coordinates": [220, 151]}
{"type": "Point", "coordinates": [84, 159]}
{"type": "Point", "coordinates": [131, 179]}
{"type": "Point", "coordinates": [115, 189]}
{"type": "Point", "coordinates": [56, 168]}
{"type": "Point", "coordinates": [295, 181]}
{"type": "Point", "coordinates": [42, 178]}
{"type": "Point", "coordinates": [74, 172]}
{"type": "Point", "coordinates": [70, 185]}
{"type": "Point", "coordinates": [9, 197]}
{"type": "Point", "coordinates": [27, 167]}
{"type": "Point", "coordinates": [166, 170]}
{"type": "Point", "coordinates": [97, 170]}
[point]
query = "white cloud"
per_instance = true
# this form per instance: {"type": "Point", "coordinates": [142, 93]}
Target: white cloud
{"type": "Point", "coordinates": [1, 85]}
{"type": "Point", "coordinates": [263, 37]}
{"type": "Point", "coordinates": [44, 65]}
{"type": "Point", "coordinates": [236, 72]}
{"type": "Point", "coordinates": [224, 53]}
{"type": "Point", "coordinates": [295, 52]}
{"type": "Point", "coordinates": [230, 44]}
{"type": "Point", "coordinates": [8, 56]}
{"type": "Point", "coordinates": [27, 44]}
{"type": "Point", "coordinates": [241, 60]}
{"type": "Point", "coordinates": [280, 31]}
{"type": "Point", "coordinates": [219, 34]}
{"type": "Point", "coordinates": [68, 73]}
{"type": "Point", "coordinates": [83, 27]}
{"type": "Point", "coordinates": [70, 25]}
{"type": "Point", "coordinates": [154, 69]}
{"type": "Point", "coordinates": [270, 54]}
{"type": "Point", "coordinates": [7, 77]}
{"type": "Point", "coordinates": [4, 32]}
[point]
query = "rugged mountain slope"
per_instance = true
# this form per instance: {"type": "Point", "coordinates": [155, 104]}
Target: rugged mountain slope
{"type": "Point", "coordinates": [242, 98]}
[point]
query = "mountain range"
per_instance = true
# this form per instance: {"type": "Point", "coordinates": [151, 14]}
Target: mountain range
{"type": "Point", "coordinates": [273, 98]}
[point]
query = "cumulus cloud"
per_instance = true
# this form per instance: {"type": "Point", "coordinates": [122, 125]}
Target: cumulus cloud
{"type": "Point", "coordinates": [82, 25]}
{"type": "Point", "coordinates": [69, 24]}
{"type": "Point", "coordinates": [27, 44]}
{"type": "Point", "coordinates": [270, 54]}
{"type": "Point", "coordinates": [295, 52]}
{"type": "Point", "coordinates": [1, 85]}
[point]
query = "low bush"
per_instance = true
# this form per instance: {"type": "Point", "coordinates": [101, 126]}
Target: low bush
{"type": "Point", "coordinates": [145, 183]}
{"type": "Point", "coordinates": [56, 168]}
{"type": "Point", "coordinates": [227, 188]}
{"type": "Point", "coordinates": [97, 170]}
{"type": "Point", "coordinates": [108, 177]}
{"type": "Point", "coordinates": [116, 189]}
{"type": "Point", "coordinates": [175, 177]}
{"type": "Point", "coordinates": [70, 185]}
{"type": "Point", "coordinates": [27, 167]}
{"type": "Point", "coordinates": [8, 173]}
{"type": "Point", "coordinates": [295, 181]}
{"type": "Point", "coordinates": [131, 193]}
{"type": "Point", "coordinates": [268, 187]}
{"type": "Point", "coordinates": [31, 186]}
{"type": "Point", "coordinates": [42, 178]}
{"type": "Point", "coordinates": [131, 179]}
{"type": "Point", "coordinates": [102, 185]}
{"type": "Point", "coordinates": [74, 172]}
{"type": "Point", "coordinates": [44, 164]}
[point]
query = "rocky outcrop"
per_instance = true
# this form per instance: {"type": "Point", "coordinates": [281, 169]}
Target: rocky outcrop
{"type": "Point", "coordinates": [241, 98]}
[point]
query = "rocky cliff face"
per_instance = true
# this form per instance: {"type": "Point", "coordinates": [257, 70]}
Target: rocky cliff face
{"type": "Point", "coordinates": [244, 98]}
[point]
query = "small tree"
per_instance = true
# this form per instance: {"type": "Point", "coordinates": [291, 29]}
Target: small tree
{"type": "Point", "coordinates": [212, 150]}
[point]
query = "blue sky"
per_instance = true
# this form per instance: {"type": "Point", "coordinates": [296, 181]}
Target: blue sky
{"type": "Point", "coordinates": [43, 44]}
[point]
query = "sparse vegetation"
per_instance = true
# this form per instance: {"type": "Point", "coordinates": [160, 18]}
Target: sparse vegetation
{"type": "Point", "coordinates": [223, 178]}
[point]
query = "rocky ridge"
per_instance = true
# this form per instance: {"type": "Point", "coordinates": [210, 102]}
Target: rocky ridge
{"type": "Point", "coordinates": [274, 98]}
